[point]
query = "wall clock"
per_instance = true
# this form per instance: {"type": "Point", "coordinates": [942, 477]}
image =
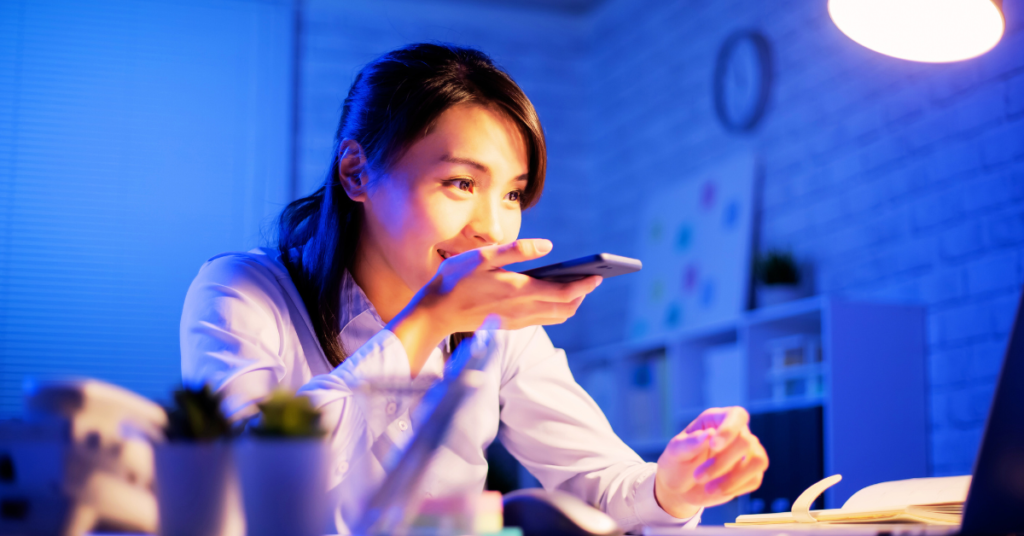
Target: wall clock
{"type": "Point", "coordinates": [743, 76]}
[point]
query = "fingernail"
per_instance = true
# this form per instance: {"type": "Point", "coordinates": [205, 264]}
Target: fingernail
{"type": "Point", "coordinates": [599, 281]}
{"type": "Point", "coordinates": [543, 246]}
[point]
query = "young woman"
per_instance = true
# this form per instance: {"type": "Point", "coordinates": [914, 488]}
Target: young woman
{"type": "Point", "coordinates": [382, 271]}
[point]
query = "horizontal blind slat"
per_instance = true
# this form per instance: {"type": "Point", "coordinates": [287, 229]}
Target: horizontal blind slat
{"type": "Point", "coordinates": [133, 147]}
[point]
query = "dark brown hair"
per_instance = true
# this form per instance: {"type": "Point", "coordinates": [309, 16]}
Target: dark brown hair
{"type": "Point", "coordinates": [392, 103]}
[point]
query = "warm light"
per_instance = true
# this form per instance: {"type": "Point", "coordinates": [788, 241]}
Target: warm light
{"type": "Point", "coordinates": [921, 30]}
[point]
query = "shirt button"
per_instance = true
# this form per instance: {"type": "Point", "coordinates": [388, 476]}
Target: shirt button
{"type": "Point", "coordinates": [342, 468]}
{"type": "Point", "coordinates": [392, 408]}
{"type": "Point", "coordinates": [403, 426]}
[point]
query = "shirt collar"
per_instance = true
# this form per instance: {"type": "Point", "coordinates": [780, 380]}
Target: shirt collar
{"type": "Point", "coordinates": [354, 302]}
{"type": "Point", "coordinates": [359, 319]}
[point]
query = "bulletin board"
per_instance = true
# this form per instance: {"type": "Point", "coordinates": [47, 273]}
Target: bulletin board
{"type": "Point", "coordinates": [695, 243]}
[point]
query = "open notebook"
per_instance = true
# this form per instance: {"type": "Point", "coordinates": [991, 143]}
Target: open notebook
{"type": "Point", "coordinates": [937, 501]}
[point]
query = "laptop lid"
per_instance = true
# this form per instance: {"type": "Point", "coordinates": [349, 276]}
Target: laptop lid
{"type": "Point", "coordinates": [995, 501]}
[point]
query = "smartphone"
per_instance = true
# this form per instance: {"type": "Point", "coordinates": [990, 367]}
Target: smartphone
{"type": "Point", "coordinates": [602, 264]}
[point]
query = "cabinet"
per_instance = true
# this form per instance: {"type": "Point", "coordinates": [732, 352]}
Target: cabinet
{"type": "Point", "coordinates": [832, 386]}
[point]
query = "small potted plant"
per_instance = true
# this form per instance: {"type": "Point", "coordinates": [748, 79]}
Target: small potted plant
{"type": "Point", "coordinates": [778, 278]}
{"type": "Point", "coordinates": [197, 486]}
{"type": "Point", "coordinates": [282, 464]}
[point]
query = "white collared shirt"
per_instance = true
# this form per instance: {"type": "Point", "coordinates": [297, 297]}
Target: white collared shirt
{"type": "Point", "coordinates": [244, 330]}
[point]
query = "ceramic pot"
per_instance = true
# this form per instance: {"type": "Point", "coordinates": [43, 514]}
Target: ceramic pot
{"type": "Point", "coordinates": [197, 490]}
{"type": "Point", "coordinates": [768, 295]}
{"type": "Point", "coordinates": [284, 486]}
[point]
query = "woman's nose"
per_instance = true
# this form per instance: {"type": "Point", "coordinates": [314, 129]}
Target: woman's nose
{"type": "Point", "coordinates": [486, 225]}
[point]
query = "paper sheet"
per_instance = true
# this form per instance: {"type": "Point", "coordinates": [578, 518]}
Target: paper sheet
{"type": "Point", "coordinates": [902, 493]}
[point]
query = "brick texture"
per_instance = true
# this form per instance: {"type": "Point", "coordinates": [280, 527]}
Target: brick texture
{"type": "Point", "coordinates": [898, 181]}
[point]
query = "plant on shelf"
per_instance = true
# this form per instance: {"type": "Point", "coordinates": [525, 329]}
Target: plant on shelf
{"type": "Point", "coordinates": [282, 463]}
{"type": "Point", "coordinates": [777, 267]}
{"type": "Point", "coordinates": [197, 485]}
{"type": "Point", "coordinates": [778, 277]}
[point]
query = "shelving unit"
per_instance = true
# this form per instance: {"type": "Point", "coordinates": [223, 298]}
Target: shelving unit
{"type": "Point", "coordinates": [850, 390]}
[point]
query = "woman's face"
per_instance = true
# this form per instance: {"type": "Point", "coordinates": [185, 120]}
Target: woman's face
{"type": "Point", "coordinates": [457, 188]}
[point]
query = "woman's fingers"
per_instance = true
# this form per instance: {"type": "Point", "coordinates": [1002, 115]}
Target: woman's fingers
{"type": "Point", "coordinates": [725, 459]}
{"type": "Point", "coordinates": [550, 291]}
{"type": "Point", "coordinates": [524, 249]}
{"type": "Point", "coordinates": [734, 481]}
{"type": "Point", "coordinates": [476, 285]}
{"type": "Point", "coordinates": [735, 421]}
{"type": "Point", "coordinates": [751, 484]}
{"type": "Point", "coordinates": [535, 313]}
{"type": "Point", "coordinates": [685, 447]}
{"type": "Point", "coordinates": [748, 486]}
{"type": "Point", "coordinates": [726, 423]}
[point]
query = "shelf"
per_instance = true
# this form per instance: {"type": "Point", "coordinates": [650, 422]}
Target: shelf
{"type": "Point", "coordinates": [871, 360]}
{"type": "Point", "coordinates": [722, 332]}
{"type": "Point", "coordinates": [771, 406]}
{"type": "Point", "coordinates": [784, 311]}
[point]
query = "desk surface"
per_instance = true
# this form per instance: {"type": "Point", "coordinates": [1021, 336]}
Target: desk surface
{"type": "Point", "coordinates": [785, 529]}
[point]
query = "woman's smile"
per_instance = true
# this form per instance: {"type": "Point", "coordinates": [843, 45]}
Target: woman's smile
{"type": "Point", "coordinates": [453, 190]}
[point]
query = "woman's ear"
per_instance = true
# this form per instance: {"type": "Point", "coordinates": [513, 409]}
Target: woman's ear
{"type": "Point", "coordinates": [352, 170]}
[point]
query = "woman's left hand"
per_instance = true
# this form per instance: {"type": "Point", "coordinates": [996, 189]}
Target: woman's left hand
{"type": "Point", "coordinates": [713, 460]}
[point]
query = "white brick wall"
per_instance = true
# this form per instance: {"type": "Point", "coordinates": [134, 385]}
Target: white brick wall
{"type": "Point", "coordinates": [899, 181]}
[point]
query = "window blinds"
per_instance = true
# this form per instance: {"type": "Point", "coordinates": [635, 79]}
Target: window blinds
{"type": "Point", "coordinates": [137, 139]}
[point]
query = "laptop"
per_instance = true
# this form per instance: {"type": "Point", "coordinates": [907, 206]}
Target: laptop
{"type": "Point", "coordinates": [995, 500]}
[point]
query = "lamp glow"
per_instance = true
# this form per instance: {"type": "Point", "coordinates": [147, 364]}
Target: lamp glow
{"type": "Point", "coordinates": [933, 31]}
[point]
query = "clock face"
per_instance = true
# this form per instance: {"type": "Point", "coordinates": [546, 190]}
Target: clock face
{"type": "Point", "coordinates": [742, 80]}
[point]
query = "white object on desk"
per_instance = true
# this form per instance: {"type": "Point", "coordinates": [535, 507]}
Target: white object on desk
{"type": "Point", "coordinates": [937, 501]}
{"type": "Point", "coordinates": [80, 459]}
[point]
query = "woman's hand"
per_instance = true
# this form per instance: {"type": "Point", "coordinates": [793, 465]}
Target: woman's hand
{"type": "Point", "coordinates": [470, 286]}
{"type": "Point", "coordinates": [713, 460]}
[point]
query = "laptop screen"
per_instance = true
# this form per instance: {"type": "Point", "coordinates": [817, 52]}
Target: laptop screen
{"type": "Point", "coordinates": [995, 502]}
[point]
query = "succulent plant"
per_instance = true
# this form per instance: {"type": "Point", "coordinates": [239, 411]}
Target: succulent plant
{"type": "Point", "coordinates": [197, 416]}
{"type": "Point", "coordinates": [284, 414]}
{"type": "Point", "coordinates": [777, 267]}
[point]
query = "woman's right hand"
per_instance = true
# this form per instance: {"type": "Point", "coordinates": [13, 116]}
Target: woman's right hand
{"type": "Point", "coordinates": [473, 285]}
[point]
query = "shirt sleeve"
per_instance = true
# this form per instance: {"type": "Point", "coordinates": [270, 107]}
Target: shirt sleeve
{"type": "Point", "coordinates": [233, 329]}
{"type": "Point", "coordinates": [551, 425]}
{"type": "Point", "coordinates": [231, 333]}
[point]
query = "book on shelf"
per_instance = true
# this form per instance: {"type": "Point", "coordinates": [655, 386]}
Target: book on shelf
{"type": "Point", "coordinates": [937, 501]}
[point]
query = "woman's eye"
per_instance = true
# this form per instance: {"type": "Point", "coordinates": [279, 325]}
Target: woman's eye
{"type": "Point", "coordinates": [515, 195]}
{"type": "Point", "coordinates": [462, 184]}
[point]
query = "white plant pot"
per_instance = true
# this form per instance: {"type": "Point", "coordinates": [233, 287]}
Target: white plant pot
{"type": "Point", "coordinates": [197, 490]}
{"type": "Point", "coordinates": [768, 295]}
{"type": "Point", "coordinates": [284, 486]}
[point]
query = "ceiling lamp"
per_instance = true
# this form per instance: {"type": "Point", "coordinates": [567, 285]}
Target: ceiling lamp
{"type": "Point", "coordinates": [932, 31]}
